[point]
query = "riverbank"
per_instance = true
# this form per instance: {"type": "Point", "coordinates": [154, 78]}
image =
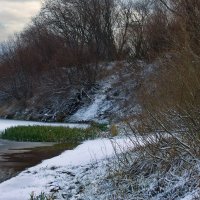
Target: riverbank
{"type": "Point", "coordinates": [59, 174]}
{"type": "Point", "coordinates": [10, 164]}
{"type": "Point", "coordinates": [18, 156]}
{"type": "Point", "coordinates": [6, 123]}
{"type": "Point", "coordinates": [105, 169]}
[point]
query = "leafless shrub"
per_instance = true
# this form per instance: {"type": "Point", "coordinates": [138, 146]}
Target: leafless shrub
{"type": "Point", "coordinates": [163, 163]}
{"type": "Point", "coordinates": [166, 154]}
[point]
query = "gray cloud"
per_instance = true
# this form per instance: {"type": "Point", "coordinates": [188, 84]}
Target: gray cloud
{"type": "Point", "coordinates": [15, 14]}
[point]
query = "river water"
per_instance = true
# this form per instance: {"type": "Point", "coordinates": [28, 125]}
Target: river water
{"type": "Point", "coordinates": [18, 156]}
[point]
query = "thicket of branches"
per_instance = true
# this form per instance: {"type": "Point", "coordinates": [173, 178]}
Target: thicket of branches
{"type": "Point", "coordinates": [175, 84]}
{"type": "Point", "coordinates": [65, 42]}
{"type": "Point", "coordinates": [62, 47]}
{"type": "Point", "coordinates": [171, 100]}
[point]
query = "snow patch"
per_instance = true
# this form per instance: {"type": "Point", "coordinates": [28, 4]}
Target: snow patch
{"type": "Point", "coordinates": [98, 106]}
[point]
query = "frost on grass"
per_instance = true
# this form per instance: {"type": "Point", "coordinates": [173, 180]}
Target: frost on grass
{"type": "Point", "coordinates": [139, 177]}
{"type": "Point", "coordinates": [133, 178]}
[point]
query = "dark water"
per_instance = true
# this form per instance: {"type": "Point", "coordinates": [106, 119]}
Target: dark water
{"type": "Point", "coordinates": [18, 156]}
{"type": "Point", "coordinates": [14, 159]}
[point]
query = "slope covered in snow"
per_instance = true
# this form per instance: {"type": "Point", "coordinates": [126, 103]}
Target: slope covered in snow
{"type": "Point", "coordinates": [95, 110]}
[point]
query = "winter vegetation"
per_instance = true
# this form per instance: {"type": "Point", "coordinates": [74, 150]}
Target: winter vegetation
{"type": "Point", "coordinates": [134, 64]}
{"type": "Point", "coordinates": [47, 134]}
{"type": "Point", "coordinates": [57, 134]}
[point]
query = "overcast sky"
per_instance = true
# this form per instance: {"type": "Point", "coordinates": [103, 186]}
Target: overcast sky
{"type": "Point", "coordinates": [15, 14]}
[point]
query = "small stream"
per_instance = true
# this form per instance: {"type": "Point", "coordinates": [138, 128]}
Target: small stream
{"type": "Point", "coordinates": [15, 157]}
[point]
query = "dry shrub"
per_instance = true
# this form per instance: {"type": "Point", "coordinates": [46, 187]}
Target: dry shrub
{"type": "Point", "coordinates": [165, 162]}
{"type": "Point", "coordinates": [113, 130]}
{"type": "Point", "coordinates": [175, 83]}
{"type": "Point", "coordinates": [170, 96]}
{"type": "Point", "coordinates": [163, 166]}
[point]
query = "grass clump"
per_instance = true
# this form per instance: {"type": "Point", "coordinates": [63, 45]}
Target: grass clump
{"type": "Point", "coordinates": [48, 134]}
{"type": "Point", "coordinates": [99, 126]}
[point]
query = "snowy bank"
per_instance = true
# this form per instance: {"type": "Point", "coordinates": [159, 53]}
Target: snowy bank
{"type": "Point", "coordinates": [53, 174]}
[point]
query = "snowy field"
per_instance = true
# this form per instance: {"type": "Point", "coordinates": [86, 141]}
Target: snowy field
{"type": "Point", "coordinates": [82, 173]}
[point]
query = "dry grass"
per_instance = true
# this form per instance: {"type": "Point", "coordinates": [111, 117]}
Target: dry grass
{"type": "Point", "coordinates": [175, 83]}
{"type": "Point", "coordinates": [166, 164]}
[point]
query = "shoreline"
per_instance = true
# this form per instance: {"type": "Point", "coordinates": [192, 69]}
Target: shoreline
{"type": "Point", "coordinates": [18, 156]}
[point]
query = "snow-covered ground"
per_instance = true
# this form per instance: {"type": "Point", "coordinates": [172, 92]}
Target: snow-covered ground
{"type": "Point", "coordinates": [88, 173]}
{"type": "Point", "coordinates": [65, 173]}
{"type": "Point", "coordinates": [85, 173]}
